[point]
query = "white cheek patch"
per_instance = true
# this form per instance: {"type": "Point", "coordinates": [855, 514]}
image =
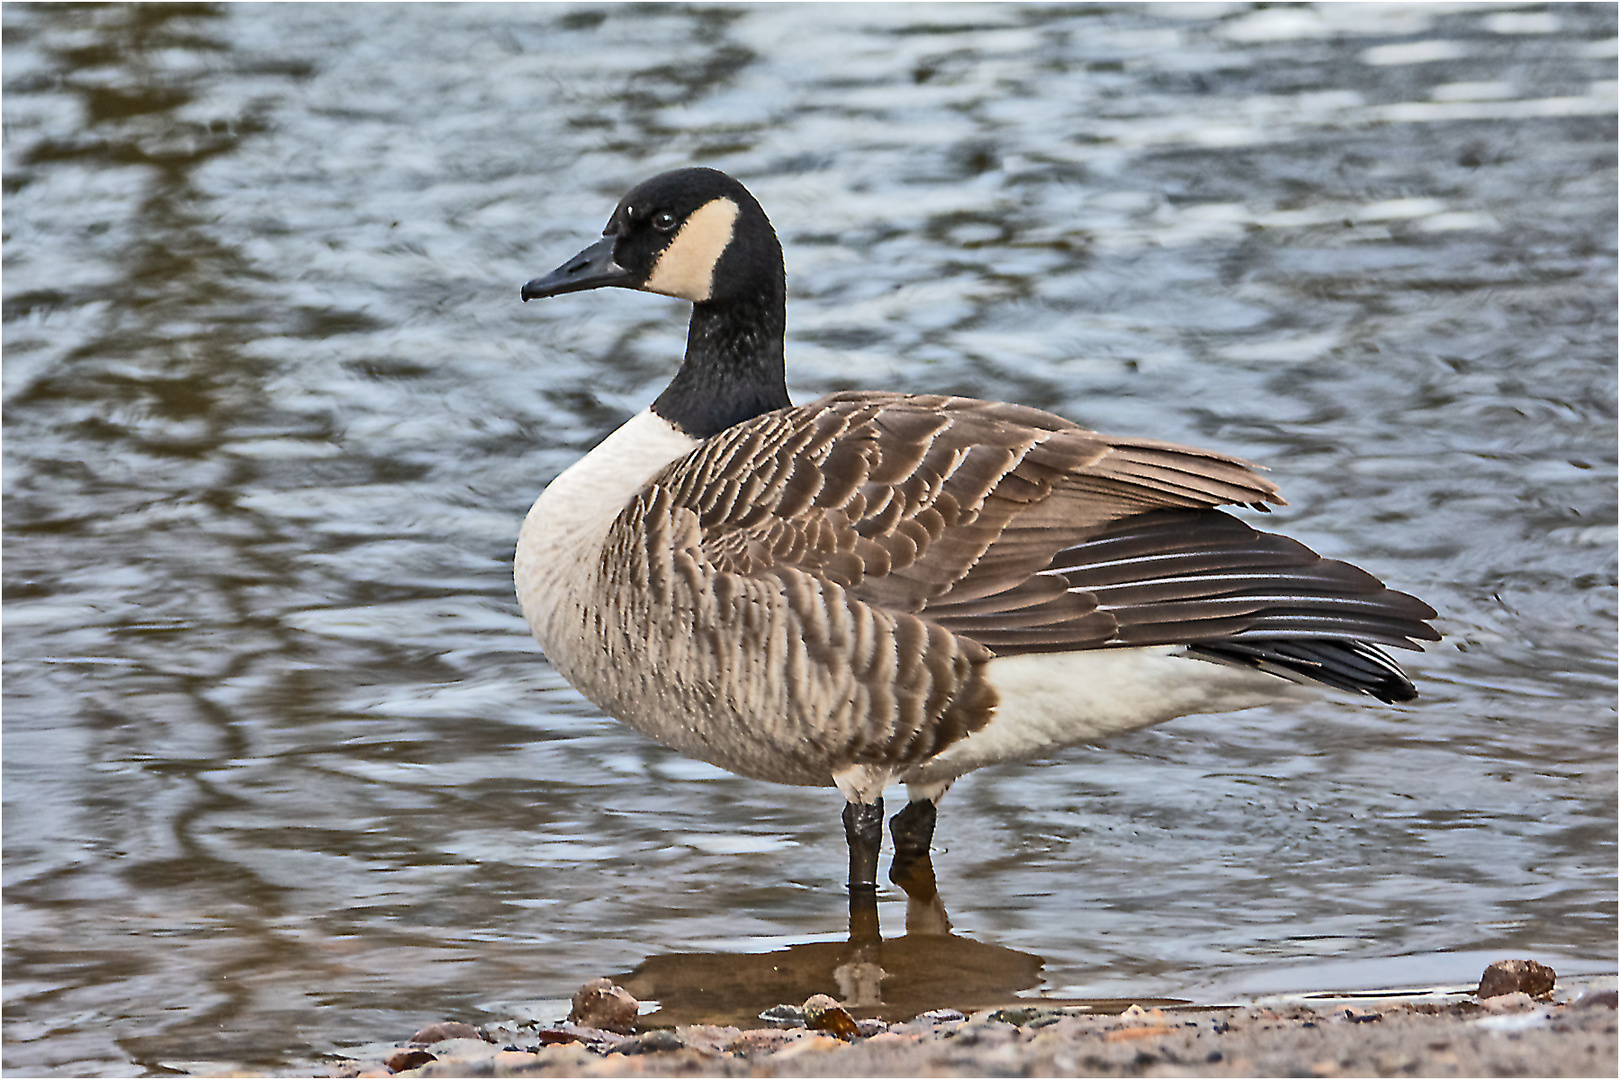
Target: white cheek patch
{"type": "Point", "coordinates": [686, 268]}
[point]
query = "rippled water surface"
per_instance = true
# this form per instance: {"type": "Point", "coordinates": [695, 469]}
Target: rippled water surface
{"type": "Point", "coordinates": [284, 772]}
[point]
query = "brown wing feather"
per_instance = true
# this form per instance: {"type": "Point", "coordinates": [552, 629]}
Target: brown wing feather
{"type": "Point", "coordinates": [955, 530]}
{"type": "Point", "coordinates": [917, 503]}
{"type": "Point", "coordinates": [1192, 577]}
{"type": "Point", "coordinates": [1018, 529]}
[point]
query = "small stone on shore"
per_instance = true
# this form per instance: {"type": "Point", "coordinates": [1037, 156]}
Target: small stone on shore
{"type": "Point", "coordinates": [401, 1060]}
{"type": "Point", "coordinates": [446, 1029]}
{"type": "Point", "coordinates": [822, 1013]}
{"type": "Point", "coordinates": [653, 1042]}
{"type": "Point", "coordinates": [600, 1004]}
{"type": "Point", "coordinates": [1516, 976]}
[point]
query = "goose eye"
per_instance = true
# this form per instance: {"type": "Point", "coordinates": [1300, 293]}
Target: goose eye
{"type": "Point", "coordinates": [664, 221]}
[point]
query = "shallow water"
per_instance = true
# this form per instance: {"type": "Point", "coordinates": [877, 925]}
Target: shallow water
{"type": "Point", "coordinates": [283, 771]}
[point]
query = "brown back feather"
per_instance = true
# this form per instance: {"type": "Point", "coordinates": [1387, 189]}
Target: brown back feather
{"type": "Point", "coordinates": [973, 529]}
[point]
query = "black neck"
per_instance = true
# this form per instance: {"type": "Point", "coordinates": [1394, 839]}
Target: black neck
{"type": "Point", "coordinates": [733, 369]}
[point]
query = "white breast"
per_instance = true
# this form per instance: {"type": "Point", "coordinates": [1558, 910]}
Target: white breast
{"type": "Point", "coordinates": [560, 548]}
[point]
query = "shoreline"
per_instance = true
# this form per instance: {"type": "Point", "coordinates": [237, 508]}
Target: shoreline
{"type": "Point", "coordinates": [1568, 1030]}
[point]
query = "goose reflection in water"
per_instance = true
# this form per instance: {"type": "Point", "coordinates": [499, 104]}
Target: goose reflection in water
{"type": "Point", "coordinates": [927, 968]}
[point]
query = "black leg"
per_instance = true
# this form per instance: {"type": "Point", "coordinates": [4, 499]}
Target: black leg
{"type": "Point", "coordinates": [863, 829]}
{"type": "Point", "coordinates": [913, 870]}
{"type": "Point", "coordinates": [913, 827]}
{"type": "Point", "coordinates": [913, 867]}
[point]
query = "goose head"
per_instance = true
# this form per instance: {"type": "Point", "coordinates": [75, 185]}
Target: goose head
{"type": "Point", "coordinates": [695, 234]}
{"type": "Point", "coordinates": [698, 235]}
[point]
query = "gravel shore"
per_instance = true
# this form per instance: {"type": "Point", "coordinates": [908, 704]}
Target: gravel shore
{"type": "Point", "coordinates": [1570, 1031]}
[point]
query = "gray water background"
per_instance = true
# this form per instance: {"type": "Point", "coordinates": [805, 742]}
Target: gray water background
{"type": "Point", "coordinates": [283, 771]}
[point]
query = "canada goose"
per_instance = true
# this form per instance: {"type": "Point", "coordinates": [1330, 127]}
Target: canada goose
{"type": "Point", "coordinates": [886, 587]}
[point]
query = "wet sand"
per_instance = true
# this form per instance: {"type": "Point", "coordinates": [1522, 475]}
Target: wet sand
{"type": "Point", "coordinates": [1571, 1033]}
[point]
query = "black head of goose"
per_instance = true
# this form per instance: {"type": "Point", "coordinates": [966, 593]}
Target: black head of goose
{"type": "Point", "coordinates": [884, 587]}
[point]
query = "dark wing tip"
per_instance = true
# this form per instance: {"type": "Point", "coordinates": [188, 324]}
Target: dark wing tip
{"type": "Point", "coordinates": [1352, 666]}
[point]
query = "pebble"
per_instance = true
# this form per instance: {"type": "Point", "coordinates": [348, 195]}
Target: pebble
{"type": "Point", "coordinates": [1132, 1012]}
{"type": "Point", "coordinates": [1597, 999]}
{"type": "Point", "coordinates": [709, 1038]}
{"type": "Point", "coordinates": [554, 1036]}
{"type": "Point", "coordinates": [653, 1042]}
{"type": "Point", "coordinates": [1516, 976]}
{"type": "Point", "coordinates": [941, 1016]}
{"type": "Point", "coordinates": [822, 1013]}
{"type": "Point", "coordinates": [593, 1038]}
{"type": "Point", "coordinates": [475, 1049]}
{"type": "Point", "coordinates": [764, 1040]}
{"type": "Point", "coordinates": [600, 1004]}
{"type": "Point", "coordinates": [446, 1029]}
{"type": "Point", "coordinates": [1032, 1016]}
{"type": "Point", "coordinates": [783, 1016]}
{"type": "Point", "coordinates": [401, 1060]}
